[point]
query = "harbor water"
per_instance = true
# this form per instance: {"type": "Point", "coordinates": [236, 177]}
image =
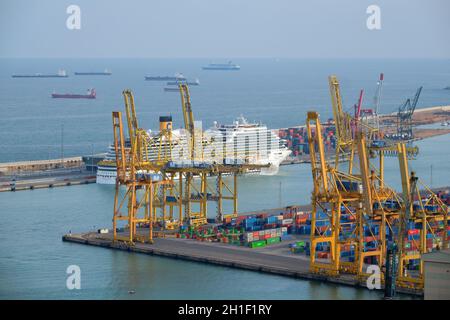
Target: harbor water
{"type": "Point", "coordinates": [33, 259]}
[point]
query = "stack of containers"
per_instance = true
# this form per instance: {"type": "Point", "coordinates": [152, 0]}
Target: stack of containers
{"type": "Point", "coordinates": [348, 252]}
{"type": "Point", "coordinates": [298, 247]}
{"type": "Point", "coordinates": [297, 139]}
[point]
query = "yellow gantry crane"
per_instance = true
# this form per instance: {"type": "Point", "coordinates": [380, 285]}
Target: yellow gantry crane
{"type": "Point", "coordinates": [423, 208]}
{"type": "Point", "coordinates": [358, 197]}
{"type": "Point", "coordinates": [156, 185]}
{"type": "Point", "coordinates": [345, 136]}
{"type": "Point", "coordinates": [140, 178]}
{"type": "Point", "coordinates": [357, 211]}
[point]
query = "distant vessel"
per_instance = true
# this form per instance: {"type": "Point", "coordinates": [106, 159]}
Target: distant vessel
{"type": "Point", "coordinates": [177, 77]}
{"type": "Point", "coordinates": [196, 82]}
{"type": "Point", "coordinates": [172, 89]}
{"type": "Point", "coordinates": [91, 94]}
{"type": "Point", "coordinates": [104, 73]}
{"type": "Point", "coordinates": [61, 74]}
{"type": "Point", "coordinates": [447, 88]}
{"type": "Point", "coordinates": [221, 66]}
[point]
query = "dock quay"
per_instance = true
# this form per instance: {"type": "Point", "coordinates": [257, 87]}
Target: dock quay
{"type": "Point", "coordinates": [29, 175]}
{"type": "Point", "coordinates": [38, 174]}
{"type": "Point", "coordinates": [39, 181]}
{"type": "Point", "coordinates": [274, 259]}
{"type": "Point", "coordinates": [9, 168]}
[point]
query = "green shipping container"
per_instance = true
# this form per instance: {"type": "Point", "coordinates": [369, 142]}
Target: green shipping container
{"type": "Point", "coordinates": [300, 243]}
{"type": "Point", "coordinates": [257, 244]}
{"type": "Point", "coordinates": [273, 240]}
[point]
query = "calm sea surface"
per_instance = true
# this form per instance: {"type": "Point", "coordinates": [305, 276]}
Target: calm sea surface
{"type": "Point", "coordinates": [33, 259]}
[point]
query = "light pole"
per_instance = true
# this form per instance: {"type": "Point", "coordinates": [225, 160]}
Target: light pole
{"type": "Point", "coordinates": [62, 145]}
{"type": "Point", "coordinates": [431, 176]}
{"type": "Point", "coordinates": [92, 158]}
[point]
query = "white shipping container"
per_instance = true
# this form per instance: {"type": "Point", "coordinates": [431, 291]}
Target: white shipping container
{"type": "Point", "coordinates": [283, 229]}
{"type": "Point", "coordinates": [287, 221]}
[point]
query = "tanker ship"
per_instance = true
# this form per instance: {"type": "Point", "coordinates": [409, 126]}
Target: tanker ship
{"type": "Point", "coordinates": [91, 94]}
{"type": "Point", "coordinates": [61, 74]}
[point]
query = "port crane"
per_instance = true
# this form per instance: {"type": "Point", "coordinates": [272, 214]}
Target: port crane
{"type": "Point", "coordinates": [358, 211]}
{"type": "Point", "coordinates": [422, 208]}
{"type": "Point", "coordinates": [155, 187]}
{"type": "Point", "coordinates": [140, 177]}
{"type": "Point", "coordinates": [347, 127]}
{"type": "Point", "coordinates": [343, 206]}
{"type": "Point", "coordinates": [404, 117]}
{"type": "Point", "coordinates": [370, 117]}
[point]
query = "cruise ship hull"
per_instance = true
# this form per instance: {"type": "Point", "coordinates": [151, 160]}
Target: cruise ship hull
{"type": "Point", "coordinates": [239, 142]}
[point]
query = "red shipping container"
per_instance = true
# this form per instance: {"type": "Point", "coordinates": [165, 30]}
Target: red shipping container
{"type": "Point", "coordinates": [413, 231]}
{"type": "Point", "coordinates": [369, 239]}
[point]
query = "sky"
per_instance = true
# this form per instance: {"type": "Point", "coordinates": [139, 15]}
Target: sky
{"type": "Point", "coordinates": [225, 29]}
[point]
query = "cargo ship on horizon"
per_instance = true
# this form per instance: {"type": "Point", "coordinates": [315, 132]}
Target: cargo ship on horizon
{"type": "Point", "coordinates": [176, 77]}
{"type": "Point", "coordinates": [106, 72]}
{"type": "Point", "coordinates": [61, 74]}
{"type": "Point", "coordinates": [173, 85]}
{"type": "Point", "coordinates": [91, 94]}
{"type": "Point", "coordinates": [222, 66]}
{"type": "Point", "coordinates": [196, 82]}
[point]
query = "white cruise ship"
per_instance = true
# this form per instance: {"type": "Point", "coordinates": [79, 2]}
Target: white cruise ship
{"type": "Point", "coordinates": [253, 143]}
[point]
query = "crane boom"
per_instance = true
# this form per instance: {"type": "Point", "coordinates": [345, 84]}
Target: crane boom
{"type": "Point", "coordinates": [340, 117]}
{"type": "Point", "coordinates": [416, 98]}
{"type": "Point", "coordinates": [130, 113]}
{"type": "Point", "coordinates": [344, 138]}
{"type": "Point", "coordinates": [377, 97]}
{"type": "Point", "coordinates": [188, 117]}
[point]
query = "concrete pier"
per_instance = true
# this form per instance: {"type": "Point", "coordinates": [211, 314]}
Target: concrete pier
{"type": "Point", "coordinates": [273, 259]}
{"type": "Point", "coordinates": [39, 181]}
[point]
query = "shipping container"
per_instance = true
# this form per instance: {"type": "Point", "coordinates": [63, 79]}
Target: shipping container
{"type": "Point", "coordinates": [258, 244]}
{"type": "Point", "coordinates": [273, 240]}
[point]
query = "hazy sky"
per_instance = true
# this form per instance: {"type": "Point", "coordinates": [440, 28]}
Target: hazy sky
{"type": "Point", "coordinates": [225, 29]}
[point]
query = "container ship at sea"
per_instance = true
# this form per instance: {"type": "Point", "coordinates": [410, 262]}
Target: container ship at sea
{"type": "Point", "coordinates": [60, 74]}
{"type": "Point", "coordinates": [176, 77]}
{"type": "Point", "coordinates": [95, 73]}
{"type": "Point", "coordinates": [255, 141]}
{"type": "Point", "coordinates": [221, 66]}
{"type": "Point", "coordinates": [91, 94]}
